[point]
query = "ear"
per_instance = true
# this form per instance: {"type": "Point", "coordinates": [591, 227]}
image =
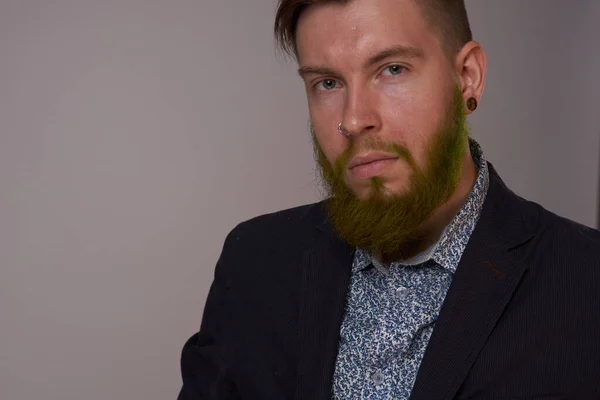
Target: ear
{"type": "Point", "coordinates": [470, 68]}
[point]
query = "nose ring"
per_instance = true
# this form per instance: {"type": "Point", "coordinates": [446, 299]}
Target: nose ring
{"type": "Point", "coordinates": [343, 131]}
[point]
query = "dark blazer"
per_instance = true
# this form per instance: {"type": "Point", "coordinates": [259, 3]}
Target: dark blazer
{"type": "Point", "coordinates": [521, 319]}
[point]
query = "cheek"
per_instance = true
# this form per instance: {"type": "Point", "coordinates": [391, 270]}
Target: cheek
{"type": "Point", "coordinates": [413, 121]}
{"type": "Point", "coordinates": [331, 145]}
{"type": "Point", "coordinates": [331, 142]}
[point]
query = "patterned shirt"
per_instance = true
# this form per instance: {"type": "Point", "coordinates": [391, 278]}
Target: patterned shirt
{"type": "Point", "coordinates": [391, 311]}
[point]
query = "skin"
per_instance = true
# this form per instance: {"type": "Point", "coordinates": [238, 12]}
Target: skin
{"type": "Point", "coordinates": [376, 66]}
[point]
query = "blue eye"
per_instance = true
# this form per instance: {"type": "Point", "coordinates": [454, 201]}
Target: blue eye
{"type": "Point", "coordinates": [394, 69]}
{"type": "Point", "coordinates": [326, 84]}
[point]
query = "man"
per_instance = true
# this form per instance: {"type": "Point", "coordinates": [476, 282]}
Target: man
{"type": "Point", "coordinates": [422, 275]}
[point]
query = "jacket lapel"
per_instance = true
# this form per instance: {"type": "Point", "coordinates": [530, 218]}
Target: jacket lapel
{"type": "Point", "coordinates": [325, 278]}
{"type": "Point", "coordinates": [485, 280]}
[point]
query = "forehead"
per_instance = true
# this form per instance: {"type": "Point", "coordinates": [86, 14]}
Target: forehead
{"type": "Point", "coordinates": [336, 32]}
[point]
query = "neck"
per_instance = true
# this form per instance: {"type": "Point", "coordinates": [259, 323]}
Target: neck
{"type": "Point", "coordinates": [431, 230]}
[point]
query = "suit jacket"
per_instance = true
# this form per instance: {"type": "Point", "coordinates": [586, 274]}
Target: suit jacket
{"type": "Point", "coordinates": [521, 319]}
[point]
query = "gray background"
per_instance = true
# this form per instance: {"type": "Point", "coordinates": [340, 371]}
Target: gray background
{"type": "Point", "coordinates": [135, 134]}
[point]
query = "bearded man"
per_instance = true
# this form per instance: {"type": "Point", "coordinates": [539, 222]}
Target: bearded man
{"type": "Point", "coordinates": [421, 275]}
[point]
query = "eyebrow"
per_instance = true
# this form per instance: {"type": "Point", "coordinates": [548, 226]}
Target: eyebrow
{"type": "Point", "coordinates": [394, 51]}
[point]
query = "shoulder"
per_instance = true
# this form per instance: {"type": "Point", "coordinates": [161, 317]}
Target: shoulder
{"type": "Point", "coordinates": [551, 232]}
{"type": "Point", "coordinates": [560, 241]}
{"type": "Point", "coordinates": [261, 258]}
{"type": "Point", "coordinates": [562, 232]}
{"type": "Point", "coordinates": [275, 232]}
{"type": "Point", "coordinates": [281, 222]}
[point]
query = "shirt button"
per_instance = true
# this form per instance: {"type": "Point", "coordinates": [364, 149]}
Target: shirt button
{"type": "Point", "coordinates": [378, 378]}
{"type": "Point", "coordinates": [402, 292]}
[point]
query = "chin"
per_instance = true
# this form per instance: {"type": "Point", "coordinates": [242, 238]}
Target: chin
{"type": "Point", "coordinates": [385, 190]}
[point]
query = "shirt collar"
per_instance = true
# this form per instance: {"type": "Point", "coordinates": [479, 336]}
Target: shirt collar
{"type": "Point", "coordinates": [448, 250]}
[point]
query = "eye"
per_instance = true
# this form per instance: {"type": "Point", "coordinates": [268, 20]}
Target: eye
{"type": "Point", "coordinates": [394, 70]}
{"type": "Point", "coordinates": [326, 84]}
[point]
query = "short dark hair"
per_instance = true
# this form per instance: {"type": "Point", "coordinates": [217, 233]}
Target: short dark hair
{"type": "Point", "coordinates": [448, 17]}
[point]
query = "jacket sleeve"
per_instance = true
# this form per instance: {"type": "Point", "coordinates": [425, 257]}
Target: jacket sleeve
{"type": "Point", "coordinates": [203, 362]}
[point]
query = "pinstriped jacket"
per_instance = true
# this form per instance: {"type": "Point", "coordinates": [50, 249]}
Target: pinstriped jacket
{"type": "Point", "coordinates": [521, 319]}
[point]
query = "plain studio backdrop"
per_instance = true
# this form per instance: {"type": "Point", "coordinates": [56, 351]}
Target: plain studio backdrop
{"type": "Point", "coordinates": [135, 134]}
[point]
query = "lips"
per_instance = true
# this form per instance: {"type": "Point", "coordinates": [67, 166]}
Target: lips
{"type": "Point", "coordinates": [369, 158]}
{"type": "Point", "coordinates": [370, 165]}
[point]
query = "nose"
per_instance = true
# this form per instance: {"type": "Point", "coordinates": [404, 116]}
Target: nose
{"type": "Point", "coordinates": [360, 113]}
